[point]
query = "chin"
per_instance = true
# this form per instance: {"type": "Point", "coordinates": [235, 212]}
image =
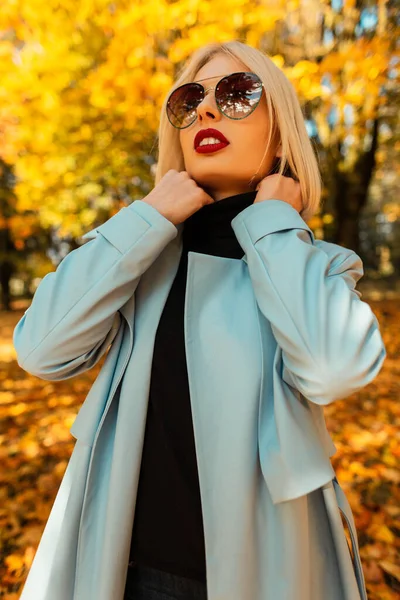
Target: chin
{"type": "Point", "coordinates": [207, 176]}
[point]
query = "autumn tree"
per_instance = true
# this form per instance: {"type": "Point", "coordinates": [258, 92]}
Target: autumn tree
{"type": "Point", "coordinates": [83, 83]}
{"type": "Point", "coordinates": [342, 57]}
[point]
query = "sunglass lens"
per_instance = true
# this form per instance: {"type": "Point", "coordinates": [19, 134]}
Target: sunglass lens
{"type": "Point", "coordinates": [238, 94]}
{"type": "Point", "coordinates": [182, 104]}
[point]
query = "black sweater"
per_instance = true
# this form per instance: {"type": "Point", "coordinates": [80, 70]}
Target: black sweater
{"type": "Point", "coordinates": [168, 527]}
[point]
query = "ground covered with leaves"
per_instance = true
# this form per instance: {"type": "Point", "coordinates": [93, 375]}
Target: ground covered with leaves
{"type": "Point", "coordinates": [36, 444]}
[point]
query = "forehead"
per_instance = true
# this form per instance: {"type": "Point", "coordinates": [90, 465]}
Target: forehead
{"type": "Point", "coordinates": [219, 66]}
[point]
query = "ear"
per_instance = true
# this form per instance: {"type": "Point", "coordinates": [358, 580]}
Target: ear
{"type": "Point", "coordinates": [279, 152]}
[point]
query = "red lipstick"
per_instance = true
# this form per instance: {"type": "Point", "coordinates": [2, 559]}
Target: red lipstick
{"type": "Point", "coordinates": [213, 147]}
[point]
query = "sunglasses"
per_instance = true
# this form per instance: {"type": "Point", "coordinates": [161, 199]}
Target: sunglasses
{"type": "Point", "coordinates": [237, 95]}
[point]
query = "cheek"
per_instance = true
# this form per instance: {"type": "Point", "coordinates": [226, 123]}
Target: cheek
{"type": "Point", "coordinates": [185, 144]}
{"type": "Point", "coordinates": [257, 144]}
{"type": "Point", "coordinates": [249, 146]}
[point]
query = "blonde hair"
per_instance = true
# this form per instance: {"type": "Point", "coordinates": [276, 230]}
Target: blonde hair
{"type": "Point", "coordinates": [284, 112]}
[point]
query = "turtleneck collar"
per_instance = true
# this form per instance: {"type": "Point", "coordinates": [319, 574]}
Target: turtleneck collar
{"type": "Point", "coordinates": [209, 230]}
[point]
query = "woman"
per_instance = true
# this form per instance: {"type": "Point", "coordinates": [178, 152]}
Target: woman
{"type": "Point", "coordinates": [201, 468]}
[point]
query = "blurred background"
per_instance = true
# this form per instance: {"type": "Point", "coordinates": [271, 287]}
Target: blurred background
{"type": "Point", "coordinates": [81, 88]}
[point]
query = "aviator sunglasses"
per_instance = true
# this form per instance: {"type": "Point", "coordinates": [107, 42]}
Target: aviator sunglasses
{"type": "Point", "coordinates": [237, 95]}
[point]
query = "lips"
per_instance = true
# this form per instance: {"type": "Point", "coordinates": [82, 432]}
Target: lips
{"type": "Point", "coordinates": [206, 133]}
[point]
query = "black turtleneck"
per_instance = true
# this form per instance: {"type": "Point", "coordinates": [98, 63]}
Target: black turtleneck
{"type": "Point", "coordinates": [168, 526]}
{"type": "Point", "coordinates": [209, 229]}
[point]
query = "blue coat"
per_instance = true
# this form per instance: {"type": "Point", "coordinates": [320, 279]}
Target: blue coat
{"type": "Point", "coordinates": [270, 340]}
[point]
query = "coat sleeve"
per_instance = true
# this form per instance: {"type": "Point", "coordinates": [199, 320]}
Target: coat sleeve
{"type": "Point", "coordinates": [330, 338]}
{"type": "Point", "coordinates": [73, 316]}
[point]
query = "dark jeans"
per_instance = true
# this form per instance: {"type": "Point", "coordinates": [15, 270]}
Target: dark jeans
{"type": "Point", "coordinates": [145, 583]}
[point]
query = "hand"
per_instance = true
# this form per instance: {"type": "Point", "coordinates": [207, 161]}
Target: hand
{"type": "Point", "coordinates": [177, 196]}
{"type": "Point", "coordinates": [287, 190]}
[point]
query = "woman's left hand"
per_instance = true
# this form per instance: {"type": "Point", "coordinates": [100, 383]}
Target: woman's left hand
{"type": "Point", "coordinates": [287, 189]}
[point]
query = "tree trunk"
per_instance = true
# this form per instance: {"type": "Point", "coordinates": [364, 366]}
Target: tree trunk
{"type": "Point", "coordinates": [7, 267]}
{"type": "Point", "coordinates": [6, 271]}
{"type": "Point", "coordinates": [351, 194]}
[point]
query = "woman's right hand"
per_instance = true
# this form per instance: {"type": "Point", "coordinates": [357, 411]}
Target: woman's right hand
{"type": "Point", "coordinates": [177, 196]}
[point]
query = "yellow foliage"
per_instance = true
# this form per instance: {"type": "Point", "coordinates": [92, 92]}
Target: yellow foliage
{"type": "Point", "coordinates": [303, 68]}
{"type": "Point", "coordinates": [15, 563]}
{"type": "Point", "coordinates": [328, 219]}
{"type": "Point", "coordinates": [315, 222]}
{"type": "Point", "coordinates": [381, 533]}
{"type": "Point", "coordinates": [83, 84]}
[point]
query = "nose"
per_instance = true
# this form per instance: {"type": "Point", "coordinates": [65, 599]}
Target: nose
{"type": "Point", "coordinates": [208, 106]}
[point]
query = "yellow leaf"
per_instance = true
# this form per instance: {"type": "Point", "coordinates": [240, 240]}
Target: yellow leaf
{"type": "Point", "coordinates": [382, 533]}
{"type": "Point", "coordinates": [15, 562]}
{"type": "Point", "coordinates": [390, 568]}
